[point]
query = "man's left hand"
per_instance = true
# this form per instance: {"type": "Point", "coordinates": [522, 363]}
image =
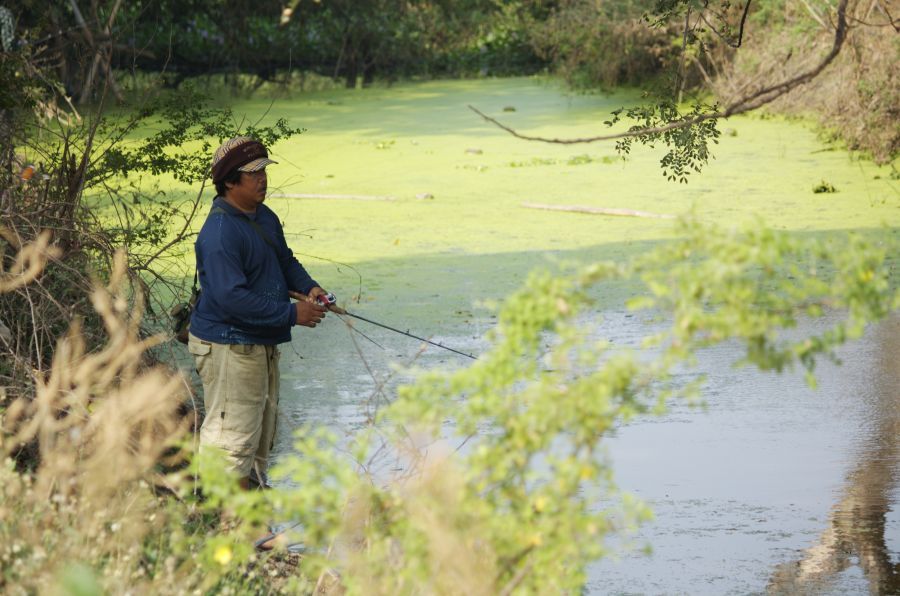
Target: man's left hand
{"type": "Point", "coordinates": [311, 297]}
{"type": "Point", "coordinates": [315, 293]}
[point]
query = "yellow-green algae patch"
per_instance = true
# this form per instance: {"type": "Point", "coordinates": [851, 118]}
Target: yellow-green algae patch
{"type": "Point", "coordinates": [455, 231]}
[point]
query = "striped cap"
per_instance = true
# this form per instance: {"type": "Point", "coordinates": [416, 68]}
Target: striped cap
{"type": "Point", "coordinates": [244, 154]}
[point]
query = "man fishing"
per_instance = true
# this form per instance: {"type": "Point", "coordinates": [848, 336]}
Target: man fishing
{"type": "Point", "coordinates": [246, 271]}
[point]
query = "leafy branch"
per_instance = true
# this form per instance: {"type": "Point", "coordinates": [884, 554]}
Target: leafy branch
{"type": "Point", "coordinates": [689, 149]}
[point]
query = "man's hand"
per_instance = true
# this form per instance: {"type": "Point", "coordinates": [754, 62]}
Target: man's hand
{"type": "Point", "coordinates": [311, 298]}
{"type": "Point", "coordinates": [315, 293]}
{"type": "Point", "coordinates": [309, 314]}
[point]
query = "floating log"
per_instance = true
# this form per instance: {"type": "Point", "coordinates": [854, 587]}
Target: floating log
{"type": "Point", "coordinates": [597, 210]}
{"type": "Point", "coordinates": [332, 197]}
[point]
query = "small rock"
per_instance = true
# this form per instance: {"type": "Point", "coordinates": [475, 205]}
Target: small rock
{"type": "Point", "coordinates": [424, 195]}
{"type": "Point", "coordinates": [509, 109]}
{"type": "Point", "coordinates": [730, 132]}
{"type": "Point", "coordinates": [474, 151]}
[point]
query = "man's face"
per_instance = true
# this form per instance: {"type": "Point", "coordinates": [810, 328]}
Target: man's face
{"type": "Point", "coordinates": [251, 190]}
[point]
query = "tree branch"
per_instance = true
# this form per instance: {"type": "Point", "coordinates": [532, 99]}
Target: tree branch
{"type": "Point", "coordinates": [745, 104]}
{"type": "Point", "coordinates": [721, 36]}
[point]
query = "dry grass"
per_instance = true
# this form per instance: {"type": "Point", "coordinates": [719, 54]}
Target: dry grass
{"type": "Point", "coordinates": [101, 423]}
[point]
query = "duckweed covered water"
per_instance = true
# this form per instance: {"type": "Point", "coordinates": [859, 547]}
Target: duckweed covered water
{"type": "Point", "coordinates": [772, 486]}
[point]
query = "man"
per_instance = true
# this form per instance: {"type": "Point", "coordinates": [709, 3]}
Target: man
{"type": "Point", "coordinates": [246, 272]}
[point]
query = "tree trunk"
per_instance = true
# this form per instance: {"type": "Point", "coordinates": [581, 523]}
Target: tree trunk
{"type": "Point", "coordinates": [6, 160]}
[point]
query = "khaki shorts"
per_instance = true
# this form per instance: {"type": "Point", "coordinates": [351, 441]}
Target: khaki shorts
{"type": "Point", "coordinates": [240, 393]}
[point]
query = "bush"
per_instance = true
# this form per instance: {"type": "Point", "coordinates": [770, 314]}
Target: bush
{"type": "Point", "coordinates": [604, 45]}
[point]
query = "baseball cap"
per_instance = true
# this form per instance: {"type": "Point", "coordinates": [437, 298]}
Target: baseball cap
{"type": "Point", "coordinates": [244, 154]}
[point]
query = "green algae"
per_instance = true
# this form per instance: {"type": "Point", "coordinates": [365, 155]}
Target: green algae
{"type": "Point", "coordinates": [418, 140]}
{"type": "Point", "coordinates": [446, 228]}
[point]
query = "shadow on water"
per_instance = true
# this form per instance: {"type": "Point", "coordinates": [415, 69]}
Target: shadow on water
{"type": "Point", "coordinates": [856, 530]}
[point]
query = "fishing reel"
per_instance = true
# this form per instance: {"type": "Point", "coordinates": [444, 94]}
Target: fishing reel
{"type": "Point", "coordinates": [326, 300]}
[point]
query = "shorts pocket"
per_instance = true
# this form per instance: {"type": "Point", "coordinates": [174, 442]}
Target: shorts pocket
{"type": "Point", "coordinates": [198, 347]}
{"type": "Point", "coordinates": [201, 351]}
{"type": "Point", "coordinates": [246, 388]}
{"type": "Point", "coordinates": [243, 422]}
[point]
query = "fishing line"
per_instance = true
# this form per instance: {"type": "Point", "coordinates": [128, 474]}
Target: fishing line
{"type": "Point", "coordinates": [340, 264]}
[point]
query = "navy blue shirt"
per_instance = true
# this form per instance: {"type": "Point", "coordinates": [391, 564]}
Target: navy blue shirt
{"type": "Point", "coordinates": [244, 279]}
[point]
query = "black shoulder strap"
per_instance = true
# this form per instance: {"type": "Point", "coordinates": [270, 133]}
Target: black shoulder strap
{"type": "Point", "coordinates": [256, 227]}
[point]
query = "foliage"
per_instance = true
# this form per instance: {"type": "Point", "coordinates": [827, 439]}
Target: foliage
{"type": "Point", "coordinates": [85, 182]}
{"type": "Point", "coordinates": [688, 146]}
{"type": "Point", "coordinates": [593, 44]}
{"type": "Point", "coordinates": [110, 508]}
{"type": "Point", "coordinates": [183, 146]}
{"type": "Point", "coordinates": [504, 484]}
{"type": "Point", "coordinates": [530, 489]}
{"type": "Point", "coordinates": [824, 187]}
{"type": "Point", "coordinates": [339, 39]}
{"type": "Point", "coordinates": [857, 99]}
{"type": "Point", "coordinates": [91, 499]}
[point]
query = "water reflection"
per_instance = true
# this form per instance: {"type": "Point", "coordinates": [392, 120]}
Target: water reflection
{"type": "Point", "coordinates": [856, 530]}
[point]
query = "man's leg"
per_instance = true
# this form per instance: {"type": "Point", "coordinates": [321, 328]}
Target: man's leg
{"type": "Point", "coordinates": [270, 417]}
{"type": "Point", "coordinates": [235, 387]}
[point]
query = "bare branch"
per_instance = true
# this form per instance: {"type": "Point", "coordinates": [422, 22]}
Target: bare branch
{"type": "Point", "coordinates": [745, 104]}
{"type": "Point", "coordinates": [79, 18]}
{"type": "Point", "coordinates": [720, 35]}
{"type": "Point", "coordinates": [679, 89]}
{"type": "Point", "coordinates": [812, 12]}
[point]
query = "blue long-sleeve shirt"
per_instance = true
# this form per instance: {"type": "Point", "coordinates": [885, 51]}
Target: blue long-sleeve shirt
{"type": "Point", "coordinates": [244, 280]}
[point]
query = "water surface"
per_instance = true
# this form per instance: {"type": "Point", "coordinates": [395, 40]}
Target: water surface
{"type": "Point", "coordinates": [773, 486]}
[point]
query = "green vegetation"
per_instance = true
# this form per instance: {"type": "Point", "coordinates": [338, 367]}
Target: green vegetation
{"type": "Point", "coordinates": [407, 201]}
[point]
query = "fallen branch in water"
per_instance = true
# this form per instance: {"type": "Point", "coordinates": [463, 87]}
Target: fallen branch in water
{"type": "Point", "coordinates": [333, 197]}
{"type": "Point", "coordinates": [597, 210]}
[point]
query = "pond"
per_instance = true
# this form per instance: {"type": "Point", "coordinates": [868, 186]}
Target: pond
{"type": "Point", "coordinates": [410, 208]}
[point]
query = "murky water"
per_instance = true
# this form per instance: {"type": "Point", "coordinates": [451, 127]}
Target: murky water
{"type": "Point", "coordinates": [774, 486]}
{"type": "Point", "coordinates": [771, 487]}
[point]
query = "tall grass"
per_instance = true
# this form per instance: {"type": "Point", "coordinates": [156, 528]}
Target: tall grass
{"type": "Point", "coordinates": [102, 424]}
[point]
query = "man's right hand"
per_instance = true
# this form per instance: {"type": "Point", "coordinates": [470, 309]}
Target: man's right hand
{"type": "Point", "coordinates": [309, 314]}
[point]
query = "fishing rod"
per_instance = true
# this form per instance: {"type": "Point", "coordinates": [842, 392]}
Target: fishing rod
{"type": "Point", "coordinates": [329, 301]}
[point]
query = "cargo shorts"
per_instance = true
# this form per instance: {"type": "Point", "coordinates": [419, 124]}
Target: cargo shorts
{"type": "Point", "coordinates": [240, 395]}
